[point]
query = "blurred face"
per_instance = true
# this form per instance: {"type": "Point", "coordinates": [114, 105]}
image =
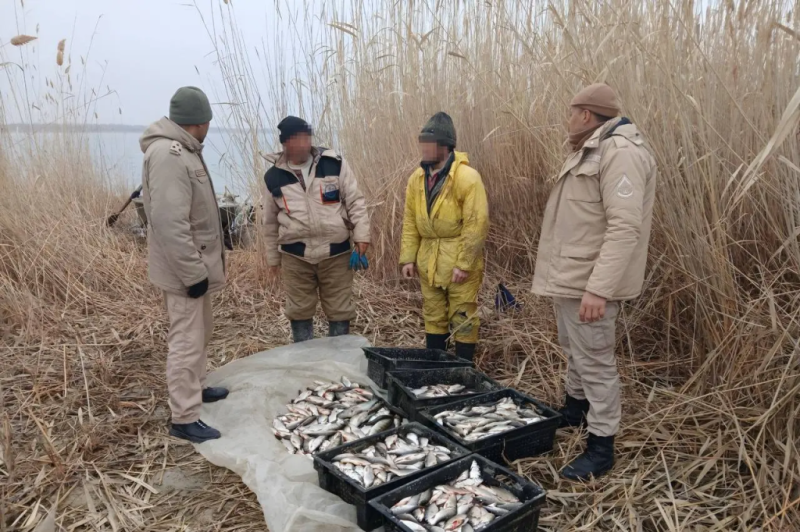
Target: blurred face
{"type": "Point", "coordinates": [203, 131]}
{"type": "Point", "coordinates": [298, 147]}
{"type": "Point", "coordinates": [432, 153]}
{"type": "Point", "coordinates": [579, 120]}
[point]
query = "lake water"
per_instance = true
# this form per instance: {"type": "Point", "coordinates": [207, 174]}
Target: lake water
{"type": "Point", "coordinates": [117, 154]}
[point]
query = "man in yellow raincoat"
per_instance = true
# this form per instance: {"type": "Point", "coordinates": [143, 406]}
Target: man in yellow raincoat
{"type": "Point", "coordinates": [444, 229]}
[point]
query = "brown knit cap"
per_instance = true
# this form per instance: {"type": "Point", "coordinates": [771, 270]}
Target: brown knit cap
{"type": "Point", "coordinates": [598, 98]}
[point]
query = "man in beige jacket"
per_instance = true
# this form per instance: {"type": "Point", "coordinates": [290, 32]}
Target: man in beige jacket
{"type": "Point", "coordinates": [312, 208]}
{"type": "Point", "coordinates": [592, 256]}
{"type": "Point", "coordinates": [185, 252]}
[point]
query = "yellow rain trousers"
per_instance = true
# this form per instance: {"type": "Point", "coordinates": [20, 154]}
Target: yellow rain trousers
{"type": "Point", "coordinates": [451, 236]}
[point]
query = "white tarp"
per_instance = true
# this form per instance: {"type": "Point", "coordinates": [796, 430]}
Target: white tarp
{"type": "Point", "coordinates": [260, 387]}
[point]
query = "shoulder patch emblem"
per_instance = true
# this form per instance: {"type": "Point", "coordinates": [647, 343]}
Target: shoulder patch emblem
{"type": "Point", "coordinates": [175, 148]}
{"type": "Point", "coordinates": [625, 187]}
{"type": "Point", "coordinates": [200, 173]}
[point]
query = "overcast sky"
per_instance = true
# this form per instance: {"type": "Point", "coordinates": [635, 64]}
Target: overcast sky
{"type": "Point", "coordinates": [142, 49]}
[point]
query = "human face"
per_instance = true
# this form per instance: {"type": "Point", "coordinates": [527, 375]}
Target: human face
{"type": "Point", "coordinates": [202, 132]}
{"type": "Point", "coordinates": [579, 120]}
{"type": "Point", "coordinates": [298, 147]}
{"type": "Point", "coordinates": [432, 153]}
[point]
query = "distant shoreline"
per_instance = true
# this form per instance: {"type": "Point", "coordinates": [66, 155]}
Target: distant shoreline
{"type": "Point", "coordinates": [87, 128]}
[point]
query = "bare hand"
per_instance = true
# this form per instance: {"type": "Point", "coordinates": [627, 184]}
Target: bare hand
{"type": "Point", "coordinates": [459, 276]}
{"type": "Point", "coordinates": [593, 308]}
{"type": "Point", "coordinates": [362, 247]}
{"type": "Point", "coordinates": [409, 270]}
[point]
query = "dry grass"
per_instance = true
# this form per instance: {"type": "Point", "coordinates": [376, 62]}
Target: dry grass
{"type": "Point", "coordinates": [708, 356]}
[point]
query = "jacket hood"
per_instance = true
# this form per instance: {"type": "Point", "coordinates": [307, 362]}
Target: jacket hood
{"type": "Point", "coordinates": [618, 126]}
{"type": "Point", "coordinates": [167, 129]}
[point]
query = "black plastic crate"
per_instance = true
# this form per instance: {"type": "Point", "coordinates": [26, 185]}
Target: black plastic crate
{"type": "Point", "coordinates": [401, 384]}
{"type": "Point", "coordinates": [385, 359]}
{"type": "Point", "coordinates": [525, 519]}
{"type": "Point", "coordinates": [351, 492]}
{"type": "Point", "coordinates": [522, 442]}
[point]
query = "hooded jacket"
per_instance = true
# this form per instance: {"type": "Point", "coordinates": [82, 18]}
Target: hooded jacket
{"type": "Point", "coordinates": [184, 233]}
{"type": "Point", "coordinates": [452, 234]}
{"type": "Point", "coordinates": [597, 222]}
{"type": "Point", "coordinates": [314, 223]}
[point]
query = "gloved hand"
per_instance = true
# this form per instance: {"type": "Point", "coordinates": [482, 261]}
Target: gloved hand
{"type": "Point", "coordinates": [136, 193]}
{"type": "Point", "coordinates": [358, 262]}
{"type": "Point", "coordinates": [198, 290]}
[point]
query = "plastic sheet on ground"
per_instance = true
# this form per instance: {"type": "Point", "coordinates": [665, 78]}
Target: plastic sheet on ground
{"type": "Point", "coordinates": [261, 385]}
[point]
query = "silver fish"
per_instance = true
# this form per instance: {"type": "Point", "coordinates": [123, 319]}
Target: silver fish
{"type": "Point", "coordinates": [463, 505]}
{"type": "Point", "coordinates": [441, 390]}
{"type": "Point", "coordinates": [478, 422]}
{"type": "Point", "coordinates": [339, 412]}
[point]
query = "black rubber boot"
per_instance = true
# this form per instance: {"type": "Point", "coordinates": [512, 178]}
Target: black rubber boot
{"type": "Point", "coordinates": [436, 341]}
{"type": "Point", "coordinates": [573, 413]}
{"type": "Point", "coordinates": [196, 432]}
{"type": "Point", "coordinates": [212, 395]}
{"type": "Point", "coordinates": [338, 328]}
{"type": "Point", "coordinates": [302, 330]}
{"type": "Point", "coordinates": [465, 351]}
{"type": "Point", "coordinates": [596, 460]}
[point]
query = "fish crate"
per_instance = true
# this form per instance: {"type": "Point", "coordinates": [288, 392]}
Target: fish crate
{"type": "Point", "coordinates": [351, 492]}
{"type": "Point", "coordinates": [523, 442]}
{"type": "Point", "coordinates": [401, 384]}
{"type": "Point", "coordinates": [385, 359]}
{"type": "Point", "coordinates": [523, 519]}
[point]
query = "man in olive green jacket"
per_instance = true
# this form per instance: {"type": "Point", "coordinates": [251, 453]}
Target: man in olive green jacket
{"type": "Point", "coordinates": [185, 251]}
{"type": "Point", "coordinates": [592, 255]}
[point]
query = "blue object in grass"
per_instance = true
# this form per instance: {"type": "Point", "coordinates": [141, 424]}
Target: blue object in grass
{"type": "Point", "coordinates": [505, 300]}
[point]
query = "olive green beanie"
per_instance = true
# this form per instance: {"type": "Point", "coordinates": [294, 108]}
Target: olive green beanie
{"type": "Point", "coordinates": [439, 129]}
{"type": "Point", "coordinates": [190, 107]}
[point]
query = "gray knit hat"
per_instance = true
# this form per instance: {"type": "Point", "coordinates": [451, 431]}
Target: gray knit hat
{"type": "Point", "coordinates": [189, 107]}
{"type": "Point", "coordinates": [439, 129]}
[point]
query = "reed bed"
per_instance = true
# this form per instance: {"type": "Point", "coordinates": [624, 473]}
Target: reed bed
{"type": "Point", "coordinates": [708, 355]}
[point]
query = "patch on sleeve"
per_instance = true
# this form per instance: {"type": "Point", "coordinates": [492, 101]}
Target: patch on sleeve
{"type": "Point", "coordinates": [625, 187]}
{"type": "Point", "coordinates": [200, 173]}
{"type": "Point", "coordinates": [175, 148]}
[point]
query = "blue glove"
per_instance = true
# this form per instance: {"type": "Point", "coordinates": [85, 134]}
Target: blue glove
{"type": "Point", "coordinates": [354, 262]}
{"type": "Point", "coordinates": [358, 262]}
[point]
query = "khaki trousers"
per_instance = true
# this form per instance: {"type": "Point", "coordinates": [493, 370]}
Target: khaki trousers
{"type": "Point", "coordinates": [329, 282]}
{"type": "Point", "coordinates": [190, 326]}
{"type": "Point", "coordinates": [592, 372]}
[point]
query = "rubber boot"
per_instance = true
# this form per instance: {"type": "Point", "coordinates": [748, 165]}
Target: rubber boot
{"type": "Point", "coordinates": [596, 460]}
{"type": "Point", "coordinates": [212, 395]}
{"type": "Point", "coordinates": [197, 432]}
{"type": "Point", "coordinates": [436, 341]}
{"type": "Point", "coordinates": [302, 330]}
{"type": "Point", "coordinates": [338, 328]}
{"type": "Point", "coordinates": [573, 413]}
{"type": "Point", "coordinates": [465, 351]}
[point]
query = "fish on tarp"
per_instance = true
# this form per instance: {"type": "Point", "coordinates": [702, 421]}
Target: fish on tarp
{"type": "Point", "coordinates": [327, 414]}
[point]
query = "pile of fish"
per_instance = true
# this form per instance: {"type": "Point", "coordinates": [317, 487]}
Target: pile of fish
{"type": "Point", "coordinates": [464, 505]}
{"type": "Point", "coordinates": [441, 390]}
{"type": "Point", "coordinates": [396, 456]}
{"type": "Point", "coordinates": [330, 414]}
{"type": "Point", "coordinates": [477, 422]}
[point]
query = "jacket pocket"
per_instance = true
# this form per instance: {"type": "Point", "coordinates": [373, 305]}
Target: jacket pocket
{"type": "Point", "coordinates": [583, 183]}
{"type": "Point", "coordinates": [574, 265]}
{"type": "Point", "coordinates": [210, 249]}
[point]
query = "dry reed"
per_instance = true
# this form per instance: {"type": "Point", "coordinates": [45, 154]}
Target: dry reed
{"type": "Point", "coordinates": [708, 356]}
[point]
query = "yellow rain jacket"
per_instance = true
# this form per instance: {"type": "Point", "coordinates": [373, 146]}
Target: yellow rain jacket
{"type": "Point", "coordinates": [451, 236]}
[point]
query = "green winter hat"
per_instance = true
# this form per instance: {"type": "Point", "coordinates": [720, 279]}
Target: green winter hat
{"type": "Point", "coordinates": [189, 107]}
{"type": "Point", "coordinates": [439, 129]}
